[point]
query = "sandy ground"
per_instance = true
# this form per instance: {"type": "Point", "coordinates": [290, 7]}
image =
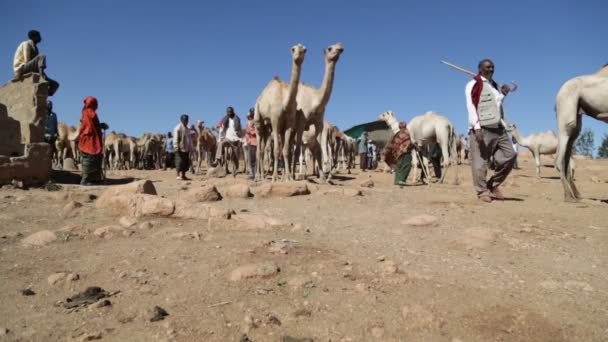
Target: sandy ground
{"type": "Point", "coordinates": [531, 268]}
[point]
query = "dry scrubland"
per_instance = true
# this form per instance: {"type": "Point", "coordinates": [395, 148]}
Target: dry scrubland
{"type": "Point", "coordinates": [343, 263]}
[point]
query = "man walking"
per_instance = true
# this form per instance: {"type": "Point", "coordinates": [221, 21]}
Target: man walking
{"type": "Point", "coordinates": [182, 143]}
{"type": "Point", "coordinates": [50, 127]}
{"type": "Point", "coordinates": [230, 132]}
{"type": "Point", "coordinates": [251, 144]}
{"type": "Point", "coordinates": [169, 151]}
{"type": "Point", "coordinates": [27, 59]}
{"type": "Point", "coordinates": [487, 134]}
{"type": "Point", "coordinates": [362, 150]}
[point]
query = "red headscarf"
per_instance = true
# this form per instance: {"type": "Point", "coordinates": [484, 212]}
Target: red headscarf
{"type": "Point", "coordinates": [90, 129]}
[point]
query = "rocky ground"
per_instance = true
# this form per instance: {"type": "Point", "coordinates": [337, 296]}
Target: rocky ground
{"type": "Point", "coordinates": [344, 262]}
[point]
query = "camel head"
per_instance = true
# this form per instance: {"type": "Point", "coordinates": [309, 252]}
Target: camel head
{"type": "Point", "coordinates": [297, 52]}
{"type": "Point", "coordinates": [333, 52]}
{"type": "Point", "coordinates": [387, 116]}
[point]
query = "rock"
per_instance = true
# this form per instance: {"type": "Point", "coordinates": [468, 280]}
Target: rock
{"type": "Point", "coordinates": [478, 237]}
{"type": "Point", "coordinates": [261, 270]}
{"type": "Point", "coordinates": [127, 222]}
{"type": "Point", "coordinates": [22, 119]}
{"type": "Point", "coordinates": [287, 189]}
{"type": "Point", "coordinates": [238, 191]}
{"type": "Point", "coordinates": [377, 332]}
{"type": "Point", "coordinates": [389, 267]}
{"type": "Point", "coordinates": [596, 179]}
{"type": "Point", "coordinates": [361, 287]}
{"type": "Point", "coordinates": [107, 231]}
{"type": "Point", "coordinates": [72, 277]}
{"type": "Point", "coordinates": [207, 193]}
{"type": "Point", "coordinates": [302, 313]}
{"type": "Point", "coordinates": [149, 205]}
{"type": "Point", "coordinates": [102, 303]}
{"type": "Point", "coordinates": [117, 197]}
{"type": "Point", "coordinates": [4, 331]}
{"type": "Point", "coordinates": [40, 238]}
{"type": "Point", "coordinates": [56, 277]}
{"type": "Point", "coordinates": [352, 192]}
{"type": "Point", "coordinates": [296, 339]}
{"type": "Point", "coordinates": [256, 221]}
{"type": "Point", "coordinates": [158, 314]}
{"type": "Point", "coordinates": [27, 292]}
{"type": "Point", "coordinates": [272, 319]}
{"type": "Point", "coordinates": [421, 221]}
{"type": "Point", "coordinates": [90, 337]}
{"type": "Point", "coordinates": [146, 225]}
{"type": "Point", "coordinates": [367, 184]}
{"type": "Point", "coordinates": [69, 164]}
{"type": "Point", "coordinates": [188, 235]}
{"type": "Point", "coordinates": [189, 210]}
{"type": "Point", "coordinates": [81, 196]}
{"type": "Point", "coordinates": [69, 210]}
{"type": "Point", "coordinates": [217, 172]}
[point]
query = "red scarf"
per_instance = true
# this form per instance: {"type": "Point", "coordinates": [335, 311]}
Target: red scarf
{"type": "Point", "coordinates": [477, 88]}
{"type": "Point", "coordinates": [90, 129]}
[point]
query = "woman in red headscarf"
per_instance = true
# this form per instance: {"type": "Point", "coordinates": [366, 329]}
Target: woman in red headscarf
{"type": "Point", "coordinates": [90, 143]}
{"type": "Point", "coordinates": [398, 154]}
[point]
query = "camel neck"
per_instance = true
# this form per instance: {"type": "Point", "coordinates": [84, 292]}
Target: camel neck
{"type": "Point", "coordinates": [294, 81]}
{"type": "Point", "coordinates": [328, 82]}
{"type": "Point", "coordinates": [518, 137]}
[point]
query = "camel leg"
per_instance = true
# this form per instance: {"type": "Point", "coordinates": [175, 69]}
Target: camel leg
{"type": "Point", "coordinates": [287, 153]}
{"type": "Point", "coordinates": [446, 160]}
{"type": "Point", "coordinates": [415, 158]}
{"type": "Point", "coordinates": [536, 155]}
{"type": "Point", "coordinates": [275, 150]}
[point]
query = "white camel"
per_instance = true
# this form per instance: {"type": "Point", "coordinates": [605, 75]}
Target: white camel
{"type": "Point", "coordinates": [538, 143]}
{"type": "Point", "coordinates": [67, 141]}
{"type": "Point", "coordinates": [311, 104]}
{"type": "Point", "coordinates": [425, 130]}
{"type": "Point", "coordinates": [277, 106]}
{"type": "Point", "coordinates": [583, 94]}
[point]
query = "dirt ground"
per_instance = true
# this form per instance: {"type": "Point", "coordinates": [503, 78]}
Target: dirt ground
{"type": "Point", "coordinates": [350, 268]}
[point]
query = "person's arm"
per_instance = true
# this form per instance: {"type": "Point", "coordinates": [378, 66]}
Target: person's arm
{"type": "Point", "coordinates": [176, 138]}
{"type": "Point", "coordinates": [473, 118]}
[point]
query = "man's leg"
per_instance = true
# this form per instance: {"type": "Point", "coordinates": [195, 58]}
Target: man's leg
{"type": "Point", "coordinates": [478, 165]}
{"type": "Point", "coordinates": [504, 158]}
{"type": "Point", "coordinates": [437, 166]}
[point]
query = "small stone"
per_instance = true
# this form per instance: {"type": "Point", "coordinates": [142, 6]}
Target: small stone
{"type": "Point", "coordinates": [56, 277]}
{"type": "Point", "coordinates": [27, 292]}
{"type": "Point", "coordinates": [105, 232]}
{"type": "Point", "coordinates": [102, 303]}
{"type": "Point", "coordinates": [421, 221]}
{"type": "Point", "coordinates": [302, 313]}
{"type": "Point", "coordinates": [4, 331]}
{"type": "Point", "coordinates": [595, 179]}
{"type": "Point", "coordinates": [40, 238]}
{"type": "Point", "coordinates": [262, 270]}
{"type": "Point", "coordinates": [367, 184]}
{"type": "Point", "coordinates": [146, 225]}
{"type": "Point", "coordinates": [300, 282]}
{"type": "Point", "coordinates": [296, 339]}
{"type": "Point", "coordinates": [381, 258]}
{"type": "Point", "coordinates": [377, 332]}
{"type": "Point", "coordinates": [69, 210]}
{"type": "Point", "coordinates": [361, 287]}
{"type": "Point", "coordinates": [127, 222]}
{"type": "Point", "coordinates": [389, 267]}
{"type": "Point", "coordinates": [158, 314]}
{"type": "Point", "coordinates": [90, 337]}
{"type": "Point", "coordinates": [207, 193]}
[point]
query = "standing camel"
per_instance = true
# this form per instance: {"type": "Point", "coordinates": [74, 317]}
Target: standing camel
{"type": "Point", "coordinates": [205, 145]}
{"type": "Point", "coordinates": [583, 94]}
{"type": "Point", "coordinates": [277, 106]}
{"type": "Point", "coordinates": [538, 143]}
{"type": "Point", "coordinates": [311, 109]}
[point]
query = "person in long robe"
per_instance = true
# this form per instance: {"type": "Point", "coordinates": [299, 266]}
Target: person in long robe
{"type": "Point", "coordinates": [91, 143]}
{"type": "Point", "coordinates": [398, 154]}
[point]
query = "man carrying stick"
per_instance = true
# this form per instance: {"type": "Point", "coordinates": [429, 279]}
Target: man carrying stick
{"type": "Point", "coordinates": [487, 134]}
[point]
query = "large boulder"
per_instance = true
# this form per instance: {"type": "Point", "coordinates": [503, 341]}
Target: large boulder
{"type": "Point", "coordinates": [288, 189]}
{"type": "Point", "coordinates": [40, 238]}
{"type": "Point", "coordinates": [117, 197]}
{"type": "Point", "coordinates": [149, 205]}
{"type": "Point", "coordinates": [206, 193]}
{"type": "Point", "coordinates": [238, 191]}
{"type": "Point", "coordinates": [201, 211]}
{"type": "Point", "coordinates": [33, 168]}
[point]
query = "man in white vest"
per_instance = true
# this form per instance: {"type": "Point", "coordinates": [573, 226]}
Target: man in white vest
{"type": "Point", "coordinates": [487, 134]}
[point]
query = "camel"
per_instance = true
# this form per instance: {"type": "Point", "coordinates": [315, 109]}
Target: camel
{"type": "Point", "coordinates": [427, 129]}
{"type": "Point", "coordinates": [538, 143]}
{"type": "Point", "coordinates": [459, 148]}
{"type": "Point", "coordinates": [583, 94]}
{"type": "Point", "coordinates": [345, 152]}
{"type": "Point", "coordinates": [150, 144]}
{"type": "Point", "coordinates": [205, 145]}
{"type": "Point", "coordinates": [116, 146]}
{"type": "Point", "coordinates": [311, 104]}
{"type": "Point", "coordinates": [276, 106]}
{"type": "Point", "coordinates": [67, 140]}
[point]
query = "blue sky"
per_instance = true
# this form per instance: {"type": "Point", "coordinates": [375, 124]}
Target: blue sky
{"type": "Point", "coordinates": [148, 62]}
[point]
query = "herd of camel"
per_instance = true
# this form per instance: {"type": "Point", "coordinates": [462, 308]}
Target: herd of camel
{"type": "Point", "coordinates": [294, 112]}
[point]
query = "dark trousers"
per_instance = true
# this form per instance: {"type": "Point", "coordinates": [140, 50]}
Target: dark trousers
{"type": "Point", "coordinates": [363, 161]}
{"type": "Point", "coordinates": [251, 151]}
{"type": "Point", "coordinates": [403, 167]}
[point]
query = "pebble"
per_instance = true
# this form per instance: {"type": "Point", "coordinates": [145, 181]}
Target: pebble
{"type": "Point", "coordinates": [127, 222]}
{"type": "Point", "coordinates": [56, 277]}
{"type": "Point", "coordinates": [421, 221]}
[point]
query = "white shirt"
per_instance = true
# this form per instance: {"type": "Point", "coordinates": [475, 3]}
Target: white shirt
{"type": "Point", "coordinates": [23, 54]}
{"type": "Point", "coordinates": [473, 117]}
{"type": "Point", "coordinates": [231, 132]}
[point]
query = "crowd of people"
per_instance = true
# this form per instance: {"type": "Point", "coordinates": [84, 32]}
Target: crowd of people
{"type": "Point", "coordinates": [487, 142]}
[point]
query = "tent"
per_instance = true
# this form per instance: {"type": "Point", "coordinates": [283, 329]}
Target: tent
{"type": "Point", "coordinates": [378, 131]}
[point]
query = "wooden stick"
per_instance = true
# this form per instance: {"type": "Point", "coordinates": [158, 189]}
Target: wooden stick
{"type": "Point", "coordinates": [459, 68]}
{"type": "Point", "coordinates": [219, 304]}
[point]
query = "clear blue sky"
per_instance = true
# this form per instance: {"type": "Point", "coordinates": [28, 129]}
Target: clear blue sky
{"type": "Point", "coordinates": [149, 61]}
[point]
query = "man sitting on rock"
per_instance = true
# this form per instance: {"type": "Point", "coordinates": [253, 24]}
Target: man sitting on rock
{"type": "Point", "coordinates": [27, 59]}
